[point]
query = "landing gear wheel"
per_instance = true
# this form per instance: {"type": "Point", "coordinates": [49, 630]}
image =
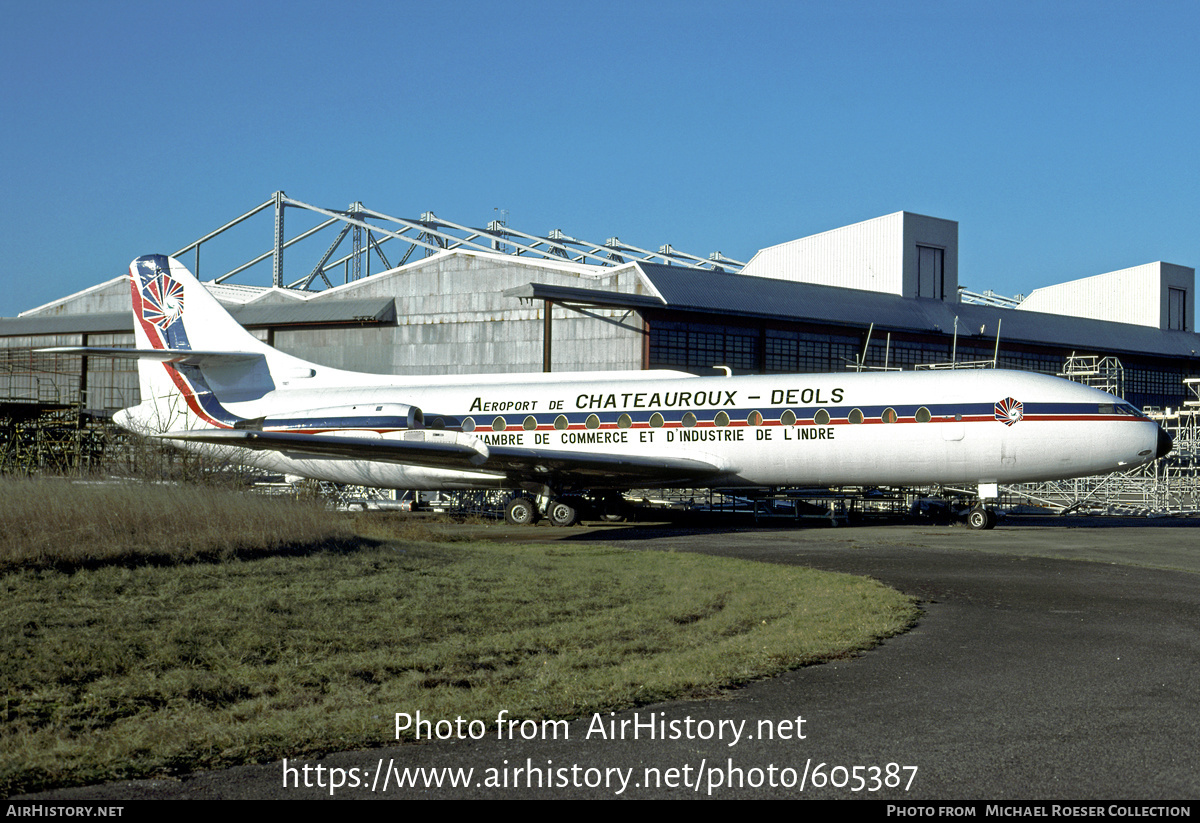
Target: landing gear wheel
{"type": "Point", "coordinates": [521, 511]}
{"type": "Point", "coordinates": [981, 518]}
{"type": "Point", "coordinates": [562, 514]}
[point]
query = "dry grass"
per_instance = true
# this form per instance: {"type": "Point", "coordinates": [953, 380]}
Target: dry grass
{"type": "Point", "coordinates": [65, 524]}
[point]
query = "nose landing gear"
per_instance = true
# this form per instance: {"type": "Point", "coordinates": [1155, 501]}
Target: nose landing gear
{"type": "Point", "coordinates": [981, 517]}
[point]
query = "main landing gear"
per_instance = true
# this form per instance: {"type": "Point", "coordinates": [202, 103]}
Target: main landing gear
{"type": "Point", "coordinates": [562, 513]}
{"type": "Point", "coordinates": [568, 509]}
{"type": "Point", "coordinates": [524, 511]}
{"type": "Point", "coordinates": [521, 511]}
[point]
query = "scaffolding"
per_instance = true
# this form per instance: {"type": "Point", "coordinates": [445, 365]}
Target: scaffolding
{"type": "Point", "coordinates": [1104, 373]}
{"type": "Point", "coordinates": [1168, 486]}
{"type": "Point", "coordinates": [426, 235]}
{"type": "Point", "coordinates": [36, 378]}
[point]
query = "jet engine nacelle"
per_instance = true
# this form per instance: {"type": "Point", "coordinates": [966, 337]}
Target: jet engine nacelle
{"type": "Point", "coordinates": [356, 417]}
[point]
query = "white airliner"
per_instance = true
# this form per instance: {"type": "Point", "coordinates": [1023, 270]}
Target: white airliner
{"type": "Point", "coordinates": [208, 384]}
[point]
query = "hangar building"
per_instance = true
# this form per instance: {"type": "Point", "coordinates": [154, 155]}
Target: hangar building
{"type": "Point", "coordinates": [884, 293]}
{"type": "Point", "coordinates": [876, 294]}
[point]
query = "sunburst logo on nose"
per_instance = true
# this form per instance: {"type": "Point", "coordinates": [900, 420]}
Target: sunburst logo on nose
{"type": "Point", "coordinates": [162, 300]}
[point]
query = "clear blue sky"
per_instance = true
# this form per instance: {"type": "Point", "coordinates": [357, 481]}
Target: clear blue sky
{"type": "Point", "coordinates": [1063, 136]}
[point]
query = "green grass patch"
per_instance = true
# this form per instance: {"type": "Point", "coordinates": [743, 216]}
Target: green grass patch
{"type": "Point", "coordinates": [124, 670]}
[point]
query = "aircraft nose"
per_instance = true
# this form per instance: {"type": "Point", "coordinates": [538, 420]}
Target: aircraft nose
{"type": "Point", "coordinates": [1164, 443]}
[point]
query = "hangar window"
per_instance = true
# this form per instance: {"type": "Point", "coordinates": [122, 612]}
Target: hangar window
{"type": "Point", "coordinates": [888, 416]}
{"type": "Point", "coordinates": [689, 420]}
{"type": "Point", "coordinates": [530, 423]}
{"type": "Point", "coordinates": [592, 422]}
{"type": "Point", "coordinates": [624, 421]}
{"type": "Point", "coordinates": [923, 415]}
{"type": "Point", "coordinates": [560, 422]}
{"type": "Point", "coordinates": [722, 419]}
{"type": "Point", "coordinates": [856, 416]}
{"type": "Point", "coordinates": [656, 420]}
{"type": "Point", "coordinates": [754, 418]}
{"type": "Point", "coordinates": [821, 418]}
{"type": "Point", "coordinates": [468, 424]}
{"type": "Point", "coordinates": [788, 418]}
{"type": "Point", "coordinates": [499, 424]}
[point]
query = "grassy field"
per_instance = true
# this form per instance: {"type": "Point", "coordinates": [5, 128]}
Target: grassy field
{"type": "Point", "coordinates": [166, 657]}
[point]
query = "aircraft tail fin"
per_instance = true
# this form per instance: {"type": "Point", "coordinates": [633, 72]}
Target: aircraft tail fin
{"type": "Point", "coordinates": [172, 310]}
{"type": "Point", "coordinates": [191, 353]}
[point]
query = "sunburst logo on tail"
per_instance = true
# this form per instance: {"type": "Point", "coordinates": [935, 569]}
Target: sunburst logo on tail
{"type": "Point", "coordinates": [162, 302]}
{"type": "Point", "coordinates": [1009, 411]}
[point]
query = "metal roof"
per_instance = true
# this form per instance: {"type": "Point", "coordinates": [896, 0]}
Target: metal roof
{"type": "Point", "coordinates": [97, 323]}
{"type": "Point", "coordinates": [734, 295]}
{"type": "Point", "coordinates": [256, 315]}
{"type": "Point", "coordinates": [317, 312]}
{"type": "Point", "coordinates": [589, 297]}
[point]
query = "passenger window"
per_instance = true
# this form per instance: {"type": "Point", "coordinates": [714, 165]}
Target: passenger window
{"type": "Point", "coordinates": [499, 424]}
{"type": "Point", "coordinates": [468, 424]}
{"type": "Point", "coordinates": [788, 418]}
{"type": "Point", "coordinates": [624, 421]}
{"type": "Point", "coordinates": [530, 423]}
{"type": "Point", "coordinates": [689, 420]}
{"type": "Point", "coordinates": [923, 415]}
{"type": "Point", "coordinates": [821, 418]}
{"type": "Point", "coordinates": [656, 421]}
{"type": "Point", "coordinates": [888, 416]}
{"type": "Point", "coordinates": [438, 423]}
{"type": "Point", "coordinates": [592, 422]}
{"type": "Point", "coordinates": [722, 419]}
{"type": "Point", "coordinates": [754, 418]}
{"type": "Point", "coordinates": [856, 416]}
{"type": "Point", "coordinates": [560, 422]}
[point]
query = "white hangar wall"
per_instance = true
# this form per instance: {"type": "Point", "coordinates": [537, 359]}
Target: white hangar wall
{"type": "Point", "coordinates": [109, 297]}
{"type": "Point", "coordinates": [906, 254]}
{"type": "Point", "coordinates": [452, 317]}
{"type": "Point", "coordinates": [1159, 295]}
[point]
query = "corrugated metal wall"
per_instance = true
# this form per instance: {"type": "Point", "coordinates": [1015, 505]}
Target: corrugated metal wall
{"type": "Point", "coordinates": [867, 255]}
{"type": "Point", "coordinates": [453, 318]}
{"type": "Point", "coordinates": [1136, 295]}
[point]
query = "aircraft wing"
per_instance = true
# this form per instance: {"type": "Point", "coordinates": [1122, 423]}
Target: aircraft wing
{"type": "Point", "coordinates": [464, 452]}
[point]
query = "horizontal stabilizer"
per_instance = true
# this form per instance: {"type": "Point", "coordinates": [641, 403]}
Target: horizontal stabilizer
{"type": "Point", "coordinates": [185, 357]}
